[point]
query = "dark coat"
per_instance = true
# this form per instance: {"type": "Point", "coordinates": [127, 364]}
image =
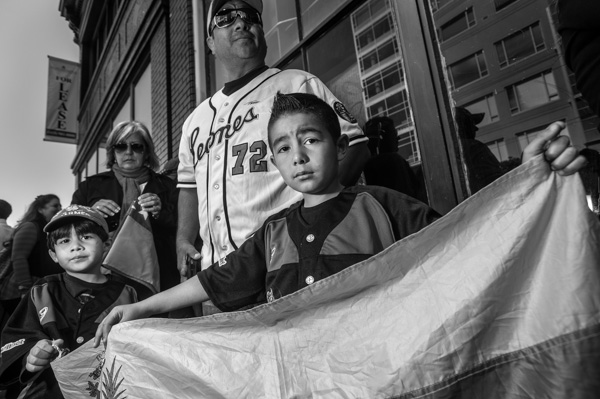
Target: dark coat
{"type": "Point", "coordinates": [106, 186]}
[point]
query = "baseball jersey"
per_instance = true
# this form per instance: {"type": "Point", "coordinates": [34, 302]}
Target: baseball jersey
{"type": "Point", "coordinates": [299, 246]}
{"type": "Point", "coordinates": [223, 154]}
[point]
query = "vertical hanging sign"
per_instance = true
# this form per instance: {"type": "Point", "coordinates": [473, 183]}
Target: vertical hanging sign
{"type": "Point", "coordinates": [63, 101]}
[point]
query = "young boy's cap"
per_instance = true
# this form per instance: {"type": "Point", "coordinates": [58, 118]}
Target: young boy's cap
{"type": "Point", "coordinates": [76, 212]}
{"type": "Point", "coordinates": [215, 6]}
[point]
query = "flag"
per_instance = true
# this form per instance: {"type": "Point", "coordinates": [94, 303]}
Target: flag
{"type": "Point", "coordinates": [62, 106]}
{"type": "Point", "coordinates": [500, 298]}
{"type": "Point", "coordinates": [78, 373]}
{"type": "Point", "coordinates": [132, 253]}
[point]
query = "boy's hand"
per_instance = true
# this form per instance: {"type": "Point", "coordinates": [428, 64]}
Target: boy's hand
{"type": "Point", "coordinates": [42, 354]}
{"type": "Point", "coordinates": [118, 315]}
{"type": "Point", "coordinates": [563, 158]}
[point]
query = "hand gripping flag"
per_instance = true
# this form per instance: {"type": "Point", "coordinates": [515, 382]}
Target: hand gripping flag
{"type": "Point", "coordinates": [132, 253]}
{"type": "Point", "coordinates": [500, 298]}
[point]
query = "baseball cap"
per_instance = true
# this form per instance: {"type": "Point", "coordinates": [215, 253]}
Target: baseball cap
{"type": "Point", "coordinates": [74, 212]}
{"type": "Point", "coordinates": [465, 113]}
{"type": "Point", "coordinates": [216, 5]}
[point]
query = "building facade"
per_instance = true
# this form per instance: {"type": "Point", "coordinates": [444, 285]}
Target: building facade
{"type": "Point", "coordinates": [504, 59]}
{"type": "Point", "coordinates": [406, 59]}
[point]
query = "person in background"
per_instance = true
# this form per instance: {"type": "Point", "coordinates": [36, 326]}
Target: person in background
{"type": "Point", "coordinates": [482, 165]}
{"type": "Point", "coordinates": [30, 256]}
{"type": "Point", "coordinates": [131, 158]}
{"type": "Point", "coordinates": [29, 253]}
{"type": "Point", "coordinates": [386, 167]}
{"type": "Point", "coordinates": [227, 186]}
{"type": "Point", "coordinates": [5, 230]}
{"type": "Point", "coordinates": [579, 28]}
{"type": "Point", "coordinates": [64, 309]}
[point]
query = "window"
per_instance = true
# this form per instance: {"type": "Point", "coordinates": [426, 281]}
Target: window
{"type": "Point", "coordinates": [498, 148]}
{"type": "Point", "coordinates": [315, 11]}
{"type": "Point", "coordinates": [486, 105]}
{"type": "Point", "coordinates": [396, 107]}
{"type": "Point", "coordinates": [408, 147]}
{"type": "Point", "coordinates": [467, 70]}
{"type": "Point", "coordinates": [379, 55]}
{"type": "Point", "coordinates": [95, 47]}
{"type": "Point", "coordinates": [281, 28]}
{"type": "Point", "coordinates": [384, 80]}
{"type": "Point", "coordinates": [375, 31]}
{"type": "Point", "coordinates": [458, 24]}
{"type": "Point", "coordinates": [520, 45]}
{"type": "Point", "coordinates": [437, 4]}
{"type": "Point", "coordinates": [532, 93]}
{"type": "Point", "coordinates": [500, 4]}
{"type": "Point", "coordinates": [365, 14]}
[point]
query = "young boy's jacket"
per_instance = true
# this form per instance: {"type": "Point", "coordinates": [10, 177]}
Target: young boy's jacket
{"type": "Point", "coordinates": [59, 306]}
{"type": "Point", "coordinates": [299, 246]}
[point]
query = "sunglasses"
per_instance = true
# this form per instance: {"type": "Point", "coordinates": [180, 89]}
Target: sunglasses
{"type": "Point", "coordinates": [135, 147]}
{"type": "Point", "coordinates": [227, 17]}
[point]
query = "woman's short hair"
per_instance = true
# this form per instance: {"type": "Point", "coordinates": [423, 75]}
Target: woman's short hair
{"type": "Point", "coordinates": [124, 130]}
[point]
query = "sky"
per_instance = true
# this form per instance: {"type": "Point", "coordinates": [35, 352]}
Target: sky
{"type": "Point", "coordinates": [30, 31]}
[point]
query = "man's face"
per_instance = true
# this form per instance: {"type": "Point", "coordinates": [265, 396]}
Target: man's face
{"type": "Point", "coordinates": [239, 41]}
{"type": "Point", "coordinates": [305, 154]}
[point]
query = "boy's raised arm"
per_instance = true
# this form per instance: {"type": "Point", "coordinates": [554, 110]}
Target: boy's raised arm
{"type": "Point", "coordinates": [185, 294]}
{"type": "Point", "coordinates": [563, 158]}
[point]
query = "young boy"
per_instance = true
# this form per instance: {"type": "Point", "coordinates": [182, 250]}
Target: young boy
{"type": "Point", "coordinates": [330, 229]}
{"type": "Point", "coordinates": [62, 311]}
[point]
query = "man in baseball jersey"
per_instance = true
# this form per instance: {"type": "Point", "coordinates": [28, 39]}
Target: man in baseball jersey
{"type": "Point", "coordinates": [227, 186]}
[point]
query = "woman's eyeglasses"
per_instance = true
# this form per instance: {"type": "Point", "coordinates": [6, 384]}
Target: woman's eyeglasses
{"type": "Point", "coordinates": [135, 147]}
{"type": "Point", "coordinates": [227, 17]}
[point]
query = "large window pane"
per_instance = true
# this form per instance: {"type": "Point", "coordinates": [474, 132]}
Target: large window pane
{"type": "Point", "coordinates": [468, 70]}
{"type": "Point", "coordinates": [142, 92]}
{"type": "Point", "coordinates": [316, 11]}
{"type": "Point", "coordinates": [458, 24]}
{"type": "Point", "coordinates": [330, 60]}
{"type": "Point", "coordinates": [532, 93]}
{"type": "Point", "coordinates": [520, 45]}
{"type": "Point", "coordinates": [281, 28]}
{"type": "Point", "coordinates": [124, 114]}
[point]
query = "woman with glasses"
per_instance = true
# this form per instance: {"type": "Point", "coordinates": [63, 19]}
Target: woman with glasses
{"type": "Point", "coordinates": [131, 159]}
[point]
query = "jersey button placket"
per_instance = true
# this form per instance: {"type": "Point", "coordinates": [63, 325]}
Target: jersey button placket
{"type": "Point", "coordinates": [309, 279]}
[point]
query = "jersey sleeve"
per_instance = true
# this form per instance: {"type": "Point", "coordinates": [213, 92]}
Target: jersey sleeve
{"type": "Point", "coordinates": [185, 170]}
{"type": "Point", "coordinates": [348, 122]}
{"type": "Point", "coordinates": [238, 279]}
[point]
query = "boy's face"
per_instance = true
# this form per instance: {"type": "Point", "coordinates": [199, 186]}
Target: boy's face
{"type": "Point", "coordinates": [306, 155]}
{"type": "Point", "coordinates": [79, 255]}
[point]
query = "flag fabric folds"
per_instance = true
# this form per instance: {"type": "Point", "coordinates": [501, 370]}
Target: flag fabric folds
{"type": "Point", "coordinates": [498, 299]}
{"type": "Point", "coordinates": [132, 253]}
{"type": "Point", "coordinates": [78, 373]}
